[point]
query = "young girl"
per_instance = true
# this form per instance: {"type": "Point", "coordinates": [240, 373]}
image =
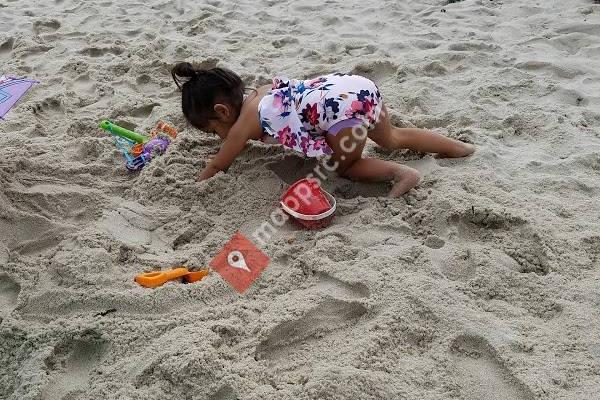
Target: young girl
{"type": "Point", "coordinates": [331, 115]}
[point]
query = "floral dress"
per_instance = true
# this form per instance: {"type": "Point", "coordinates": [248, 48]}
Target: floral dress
{"type": "Point", "coordinates": [299, 113]}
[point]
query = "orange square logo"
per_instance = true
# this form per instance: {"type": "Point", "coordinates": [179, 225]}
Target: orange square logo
{"type": "Point", "coordinates": [240, 262]}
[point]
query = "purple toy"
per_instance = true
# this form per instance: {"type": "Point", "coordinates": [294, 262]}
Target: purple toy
{"type": "Point", "coordinates": [137, 149]}
{"type": "Point", "coordinates": [157, 146]}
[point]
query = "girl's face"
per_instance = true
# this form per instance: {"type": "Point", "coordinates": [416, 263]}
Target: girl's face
{"type": "Point", "coordinates": [217, 127]}
{"type": "Point", "coordinates": [222, 122]}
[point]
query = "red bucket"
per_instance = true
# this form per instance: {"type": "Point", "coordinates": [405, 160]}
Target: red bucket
{"type": "Point", "coordinates": [308, 204]}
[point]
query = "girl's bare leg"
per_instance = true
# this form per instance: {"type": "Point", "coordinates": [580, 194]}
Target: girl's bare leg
{"type": "Point", "coordinates": [422, 140]}
{"type": "Point", "coordinates": [347, 156]}
{"type": "Point", "coordinates": [374, 170]}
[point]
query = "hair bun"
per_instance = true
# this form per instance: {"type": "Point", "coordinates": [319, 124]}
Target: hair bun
{"type": "Point", "coordinates": [183, 70]}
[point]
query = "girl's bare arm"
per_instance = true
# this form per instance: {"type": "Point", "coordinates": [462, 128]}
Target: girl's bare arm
{"type": "Point", "coordinates": [231, 148]}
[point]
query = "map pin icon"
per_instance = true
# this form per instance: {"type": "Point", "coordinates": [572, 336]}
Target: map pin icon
{"type": "Point", "coordinates": [236, 260]}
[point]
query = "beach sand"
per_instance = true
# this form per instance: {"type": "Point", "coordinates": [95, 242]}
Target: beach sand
{"type": "Point", "coordinates": [482, 283]}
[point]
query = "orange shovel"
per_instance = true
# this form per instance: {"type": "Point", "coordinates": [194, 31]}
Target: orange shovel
{"type": "Point", "coordinates": [159, 278]}
{"type": "Point", "coordinates": [195, 276]}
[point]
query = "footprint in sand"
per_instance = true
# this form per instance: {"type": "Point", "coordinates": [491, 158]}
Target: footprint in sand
{"type": "Point", "coordinates": [555, 69]}
{"type": "Point", "coordinates": [143, 111]}
{"type": "Point", "coordinates": [473, 46]}
{"type": "Point", "coordinates": [482, 374]}
{"type": "Point", "coordinates": [70, 366]}
{"type": "Point", "coordinates": [83, 84]}
{"type": "Point", "coordinates": [284, 41]}
{"type": "Point", "coordinates": [531, 252]}
{"type": "Point", "coordinates": [226, 392]}
{"type": "Point", "coordinates": [145, 83]}
{"type": "Point", "coordinates": [377, 70]}
{"type": "Point", "coordinates": [7, 46]}
{"type": "Point", "coordinates": [45, 26]}
{"type": "Point", "coordinates": [425, 44]}
{"type": "Point", "coordinates": [9, 292]}
{"type": "Point", "coordinates": [30, 233]}
{"type": "Point", "coordinates": [47, 107]}
{"type": "Point", "coordinates": [340, 289]}
{"type": "Point", "coordinates": [325, 318]}
{"type": "Point", "coordinates": [101, 51]}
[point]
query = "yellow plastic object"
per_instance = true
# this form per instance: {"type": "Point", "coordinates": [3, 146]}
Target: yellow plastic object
{"type": "Point", "coordinates": [159, 278]}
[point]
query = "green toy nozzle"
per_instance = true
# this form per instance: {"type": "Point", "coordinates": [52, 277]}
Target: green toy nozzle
{"type": "Point", "coordinates": [122, 132]}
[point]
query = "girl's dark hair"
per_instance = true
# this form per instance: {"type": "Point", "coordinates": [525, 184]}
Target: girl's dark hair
{"type": "Point", "coordinates": [201, 89]}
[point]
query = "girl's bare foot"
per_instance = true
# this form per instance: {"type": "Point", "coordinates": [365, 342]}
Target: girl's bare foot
{"type": "Point", "coordinates": [459, 149]}
{"type": "Point", "coordinates": [405, 179]}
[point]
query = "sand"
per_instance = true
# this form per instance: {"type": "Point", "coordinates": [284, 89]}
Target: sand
{"type": "Point", "coordinates": [482, 283]}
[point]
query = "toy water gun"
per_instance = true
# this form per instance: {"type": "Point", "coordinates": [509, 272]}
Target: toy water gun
{"type": "Point", "coordinates": [139, 149]}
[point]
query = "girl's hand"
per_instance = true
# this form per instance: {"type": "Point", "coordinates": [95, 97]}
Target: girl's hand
{"type": "Point", "coordinates": [233, 146]}
{"type": "Point", "coordinates": [208, 172]}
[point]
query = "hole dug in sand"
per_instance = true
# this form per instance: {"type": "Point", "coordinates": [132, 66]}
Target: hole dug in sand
{"type": "Point", "coordinates": [294, 167]}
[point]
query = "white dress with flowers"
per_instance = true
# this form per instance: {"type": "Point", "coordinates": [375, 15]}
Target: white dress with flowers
{"type": "Point", "coordinates": [299, 113]}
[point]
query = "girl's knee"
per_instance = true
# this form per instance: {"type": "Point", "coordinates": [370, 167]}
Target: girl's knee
{"type": "Point", "coordinates": [344, 167]}
{"type": "Point", "coordinates": [408, 174]}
